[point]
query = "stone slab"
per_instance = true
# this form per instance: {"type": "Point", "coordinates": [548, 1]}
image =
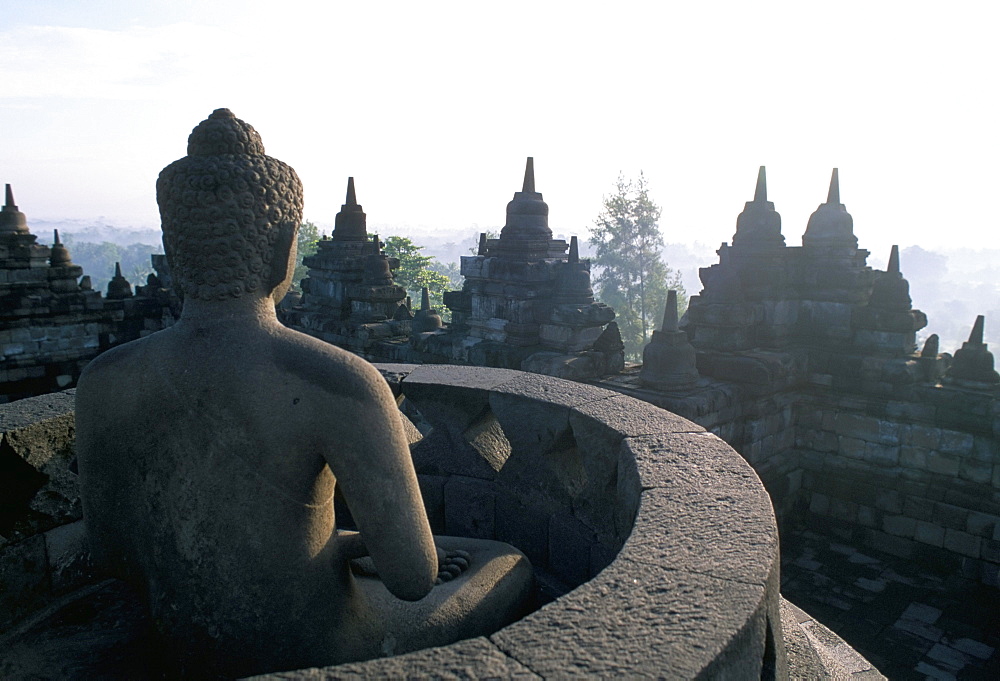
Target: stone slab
{"type": "Point", "coordinates": [472, 659]}
{"type": "Point", "coordinates": [637, 620]}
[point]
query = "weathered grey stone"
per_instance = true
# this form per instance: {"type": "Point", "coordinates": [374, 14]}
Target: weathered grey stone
{"type": "Point", "coordinates": [665, 612]}
{"type": "Point", "coordinates": [570, 543]}
{"type": "Point", "coordinates": [929, 533]}
{"type": "Point", "coordinates": [441, 380]}
{"type": "Point", "coordinates": [982, 524]}
{"type": "Point", "coordinates": [888, 500]}
{"type": "Point", "coordinates": [942, 464]}
{"type": "Point", "coordinates": [524, 526]}
{"type": "Point", "coordinates": [962, 543]}
{"type": "Point", "coordinates": [899, 525]}
{"type": "Point", "coordinates": [676, 470]}
{"type": "Point", "coordinates": [632, 418]}
{"type": "Point", "coordinates": [555, 392]}
{"type": "Point", "coordinates": [24, 577]}
{"type": "Point", "coordinates": [36, 446]}
{"type": "Point", "coordinates": [67, 554]}
{"type": "Point", "coordinates": [473, 659]}
{"type": "Point", "coordinates": [469, 507]}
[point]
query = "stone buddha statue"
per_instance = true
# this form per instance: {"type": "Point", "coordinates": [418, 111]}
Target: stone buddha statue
{"type": "Point", "coordinates": [209, 453]}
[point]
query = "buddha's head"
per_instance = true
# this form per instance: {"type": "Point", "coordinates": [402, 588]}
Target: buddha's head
{"type": "Point", "coordinates": [230, 214]}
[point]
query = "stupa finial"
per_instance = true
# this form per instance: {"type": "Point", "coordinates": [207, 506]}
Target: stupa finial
{"type": "Point", "coordinates": [976, 337]}
{"type": "Point", "coordinates": [425, 299]}
{"type": "Point", "coordinates": [10, 199]}
{"type": "Point", "coordinates": [482, 243]}
{"type": "Point", "coordinates": [529, 176]}
{"type": "Point", "coordinates": [351, 222]}
{"type": "Point", "coordinates": [758, 227]}
{"type": "Point", "coordinates": [893, 267]}
{"type": "Point", "coordinates": [670, 312]}
{"type": "Point", "coordinates": [574, 251]}
{"type": "Point", "coordinates": [59, 254]}
{"type": "Point", "coordinates": [118, 270]}
{"type": "Point", "coordinates": [834, 195]}
{"type": "Point", "coordinates": [352, 198]}
{"type": "Point", "coordinates": [760, 193]}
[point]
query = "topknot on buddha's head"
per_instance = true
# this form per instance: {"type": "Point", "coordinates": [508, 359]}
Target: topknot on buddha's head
{"type": "Point", "coordinates": [222, 207]}
{"type": "Point", "coordinates": [223, 133]}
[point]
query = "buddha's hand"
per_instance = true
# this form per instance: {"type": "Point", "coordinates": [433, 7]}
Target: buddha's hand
{"type": "Point", "coordinates": [451, 564]}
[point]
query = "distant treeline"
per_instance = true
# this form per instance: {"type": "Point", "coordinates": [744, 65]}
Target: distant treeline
{"type": "Point", "coordinates": [98, 260]}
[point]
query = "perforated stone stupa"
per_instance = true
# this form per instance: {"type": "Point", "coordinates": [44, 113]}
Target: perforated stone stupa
{"type": "Point", "coordinates": [349, 298]}
{"type": "Point", "coordinates": [528, 304]}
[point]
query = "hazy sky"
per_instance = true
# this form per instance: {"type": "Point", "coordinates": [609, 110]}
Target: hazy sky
{"type": "Point", "coordinates": [434, 106]}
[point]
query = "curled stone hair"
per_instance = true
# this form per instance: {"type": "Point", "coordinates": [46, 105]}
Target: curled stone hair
{"type": "Point", "coordinates": [222, 207]}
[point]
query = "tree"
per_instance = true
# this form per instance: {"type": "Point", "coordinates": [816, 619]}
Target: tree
{"type": "Point", "coordinates": [415, 271]}
{"type": "Point", "coordinates": [98, 260]}
{"type": "Point", "coordinates": [453, 271]}
{"type": "Point", "coordinates": [308, 244]}
{"type": "Point", "coordinates": [632, 277]}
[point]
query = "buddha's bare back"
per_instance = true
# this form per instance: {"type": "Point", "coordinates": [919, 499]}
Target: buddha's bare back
{"type": "Point", "coordinates": [209, 453]}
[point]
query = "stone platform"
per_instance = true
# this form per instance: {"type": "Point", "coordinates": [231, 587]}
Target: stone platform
{"type": "Point", "coordinates": [911, 622]}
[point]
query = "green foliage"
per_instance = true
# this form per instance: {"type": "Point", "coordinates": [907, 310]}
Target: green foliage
{"type": "Point", "coordinates": [453, 271]}
{"type": "Point", "coordinates": [98, 261]}
{"type": "Point", "coordinates": [416, 271]}
{"type": "Point", "coordinates": [308, 244]}
{"type": "Point", "coordinates": [632, 277]}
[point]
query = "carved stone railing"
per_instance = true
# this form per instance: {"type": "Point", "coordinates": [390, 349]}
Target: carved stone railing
{"type": "Point", "coordinates": [654, 543]}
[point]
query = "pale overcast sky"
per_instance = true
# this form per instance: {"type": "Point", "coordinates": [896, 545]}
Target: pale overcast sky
{"type": "Point", "coordinates": [434, 106]}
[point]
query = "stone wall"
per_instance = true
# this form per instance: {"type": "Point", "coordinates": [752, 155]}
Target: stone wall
{"type": "Point", "coordinates": [758, 423]}
{"type": "Point", "coordinates": [917, 478]}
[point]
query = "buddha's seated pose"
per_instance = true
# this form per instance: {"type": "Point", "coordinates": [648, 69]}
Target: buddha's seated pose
{"type": "Point", "coordinates": [209, 453]}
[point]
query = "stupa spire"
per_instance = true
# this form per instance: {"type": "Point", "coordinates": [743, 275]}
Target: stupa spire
{"type": "Point", "coordinates": [527, 219]}
{"type": "Point", "coordinates": [972, 365]}
{"type": "Point", "coordinates": [59, 254]}
{"type": "Point", "coordinates": [482, 243]}
{"type": "Point", "coordinates": [831, 225]}
{"type": "Point", "coordinates": [893, 267]}
{"type": "Point", "coordinates": [668, 360]}
{"type": "Point", "coordinates": [833, 196]}
{"type": "Point", "coordinates": [351, 222]}
{"type": "Point", "coordinates": [352, 199]}
{"type": "Point", "coordinates": [11, 219]}
{"type": "Point", "coordinates": [670, 312]}
{"type": "Point", "coordinates": [574, 251]}
{"type": "Point", "coordinates": [758, 227]}
{"type": "Point", "coordinates": [760, 193]}
{"type": "Point", "coordinates": [119, 287]}
{"type": "Point", "coordinates": [426, 318]}
{"type": "Point", "coordinates": [976, 337]}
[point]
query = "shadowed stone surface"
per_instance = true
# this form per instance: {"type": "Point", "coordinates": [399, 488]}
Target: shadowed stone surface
{"type": "Point", "coordinates": [688, 479]}
{"type": "Point", "coordinates": [676, 624]}
{"type": "Point", "coordinates": [473, 659]}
